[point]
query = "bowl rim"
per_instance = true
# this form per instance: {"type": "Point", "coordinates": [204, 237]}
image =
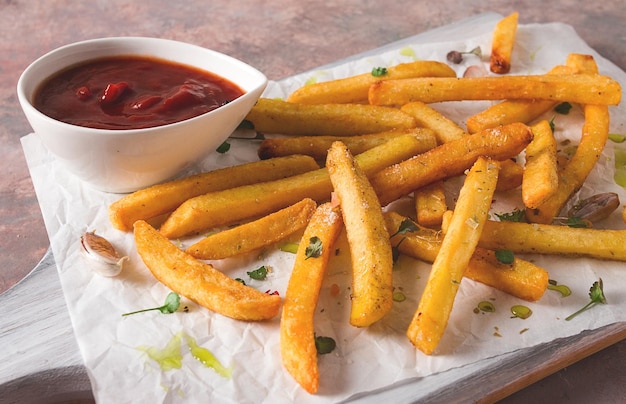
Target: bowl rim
{"type": "Point", "coordinates": [25, 99]}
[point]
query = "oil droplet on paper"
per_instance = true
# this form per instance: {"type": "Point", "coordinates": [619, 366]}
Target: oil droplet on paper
{"type": "Point", "coordinates": [170, 357]}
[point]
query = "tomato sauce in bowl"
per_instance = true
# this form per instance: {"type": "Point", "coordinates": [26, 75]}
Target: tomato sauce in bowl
{"type": "Point", "coordinates": [131, 92]}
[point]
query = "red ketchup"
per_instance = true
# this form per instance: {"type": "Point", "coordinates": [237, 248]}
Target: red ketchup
{"type": "Point", "coordinates": [129, 92]}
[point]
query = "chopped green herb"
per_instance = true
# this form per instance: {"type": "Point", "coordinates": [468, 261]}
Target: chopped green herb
{"type": "Point", "coordinates": [314, 249]}
{"type": "Point", "coordinates": [258, 274]}
{"type": "Point", "coordinates": [577, 222]}
{"type": "Point", "coordinates": [223, 148]}
{"type": "Point", "coordinates": [505, 256]}
{"type": "Point", "coordinates": [406, 226]}
{"type": "Point", "coordinates": [379, 71]}
{"type": "Point", "coordinates": [172, 302]}
{"type": "Point", "coordinates": [246, 124]}
{"type": "Point", "coordinates": [517, 215]}
{"type": "Point", "coordinates": [240, 281]}
{"type": "Point", "coordinates": [596, 294]}
{"type": "Point", "coordinates": [563, 108]}
{"type": "Point", "coordinates": [324, 345]}
{"type": "Point", "coordinates": [552, 126]}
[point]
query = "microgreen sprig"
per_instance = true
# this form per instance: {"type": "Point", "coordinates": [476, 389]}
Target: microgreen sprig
{"type": "Point", "coordinates": [596, 294]}
{"type": "Point", "coordinates": [172, 302]}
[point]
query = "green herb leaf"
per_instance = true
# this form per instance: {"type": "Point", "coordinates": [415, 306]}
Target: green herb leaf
{"type": "Point", "coordinates": [314, 249]}
{"type": "Point", "coordinates": [563, 108]}
{"type": "Point", "coordinates": [324, 345]}
{"type": "Point", "coordinates": [406, 226]}
{"type": "Point", "coordinates": [505, 256]}
{"type": "Point", "coordinates": [172, 303]}
{"type": "Point", "coordinates": [258, 274]}
{"type": "Point", "coordinates": [552, 126]}
{"type": "Point", "coordinates": [223, 148]}
{"type": "Point", "coordinates": [379, 71]}
{"type": "Point", "coordinates": [240, 281]}
{"type": "Point", "coordinates": [577, 222]}
{"type": "Point", "coordinates": [596, 296]}
{"type": "Point", "coordinates": [245, 124]}
{"type": "Point", "coordinates": [516, 216]}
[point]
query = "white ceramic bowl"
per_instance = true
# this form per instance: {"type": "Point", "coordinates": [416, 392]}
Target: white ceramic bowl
{"type": "Point", "coordinates": [126, 160]}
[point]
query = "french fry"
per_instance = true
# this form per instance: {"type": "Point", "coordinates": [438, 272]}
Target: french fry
{"type": "Point", "coordinates": [288, 118]}
{"type": "Point", "coordinates": [317, 146]}
{"type": "Point", "coordinates": [237, 204]}
{"type": "Point", "coordinates": [370, 249]}
{"type": "Point", "coordinates": [446, 131]}
{"type": "Point", "coordinates": [535, 238]}
{"type": "Point", "coordinates": [353, 90]}
{"type": "Point", "coordinates": [256, 234]}
{"type": "Point", "coordinates": [540, 179]}
{"type": "Point", "coordinates": [449, 159]}
{"type": "Point", "coordinates": [510, 111]}
{"type": "Point", "coordinates": [297, 335]}
{"type": "Point", "coordinates": [430, 204]}
{"type": "Point", "coordinates": [201, 282]}
{"type": "Point", "coordinates": [502, 43]}
{"type": "Point", "coordinates": [583, 63]}
{"type": "Point", "coordinates": [458, 245]}
{"type": "Point", "coordinates": [578, 88]}
{"type": "Point", "coordinates": [426, 116]}
{"type": "Point", "coordinates": [595, 133]}
{"type": "Point", "coordinates": [164, 198]}
{"type": "Point", "coordinates": [521, 279]}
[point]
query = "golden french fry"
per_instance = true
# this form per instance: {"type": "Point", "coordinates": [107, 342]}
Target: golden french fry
{"type": "Point", "coordinates": [502, 43]}
{"type": "Point", "coordinates": [370, 249]}
{"type": "Point", "coordinates": [583, 63]}
{"type": "Point", "coordinates": [164, 198]}
{"type": "Point", "coordinates": [511, 111]}
{"type": "Point", "coordinates": [534, 238]}
{"type": "Point", "coordinates": [446, 131]}
{"type": "Point", "coordinates": [236, 204]}
{"type": "Point", "coordinates": [578, 88]}
{"type": "Point", "coordinates": [256, 234]}
{"type": "Point", "coordinates": [297, 335]}
{"type": "Point", "coordinates": [353, 90]}
{"type": "Point", "coordinates": [430, 204]}
{"type": "Point", "coordinates": [595, 133]}
{"type": "Point", "coordinates": [540, 179]}
{"type": "Point", "coordinates": [288, 118]}
{"type": "Point", "coordinates": [449, 159]}
{"type": "Point", "coordinates": [458, 245]}
{"type": "Point", "coordinates": [201, 282]}
{"type": "Point", "coordinates": [521, 279]}
{"type": "Point", "coordinates": [317, 146]}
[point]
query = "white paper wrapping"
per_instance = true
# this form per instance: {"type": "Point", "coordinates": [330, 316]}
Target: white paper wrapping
{"type": "Point", "coordinates": [113, 347]}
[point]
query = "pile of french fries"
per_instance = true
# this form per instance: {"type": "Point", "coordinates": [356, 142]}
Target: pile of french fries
{"type": "Point", "coordinates": [347, 149]}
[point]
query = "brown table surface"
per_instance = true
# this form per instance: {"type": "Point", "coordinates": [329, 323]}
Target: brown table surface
{"type": "Point", "coordinates": [280, 38]}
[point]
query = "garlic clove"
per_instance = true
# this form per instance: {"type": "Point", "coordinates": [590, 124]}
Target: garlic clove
{"type": "Point", "coordinates": [596, 207]}
{"type": "Point", "coordinates": [100, 255]}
